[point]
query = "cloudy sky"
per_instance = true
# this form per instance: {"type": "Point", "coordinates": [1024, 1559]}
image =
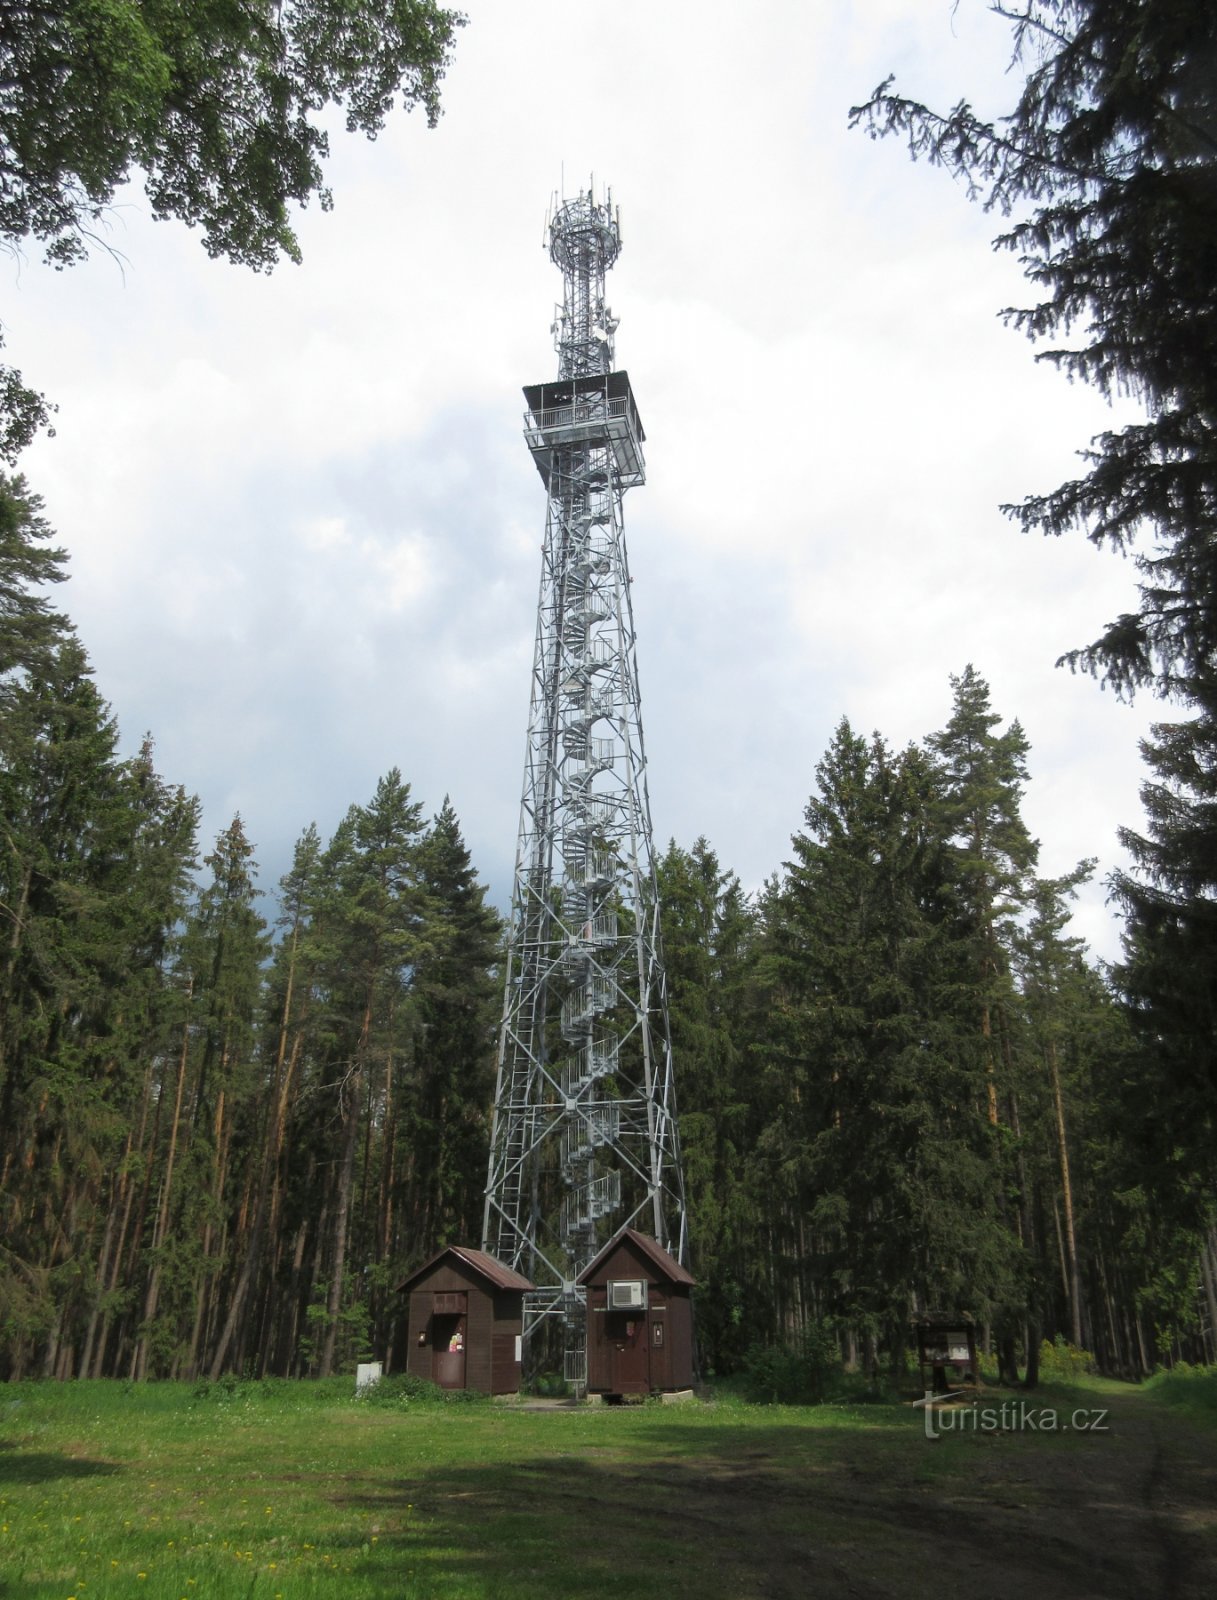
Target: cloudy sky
{"type": "Point", "coordinates": [305, 531]}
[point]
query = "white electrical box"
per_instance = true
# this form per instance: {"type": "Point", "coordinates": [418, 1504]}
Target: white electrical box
{"type": "Point", "coordinates": [367, 1375]}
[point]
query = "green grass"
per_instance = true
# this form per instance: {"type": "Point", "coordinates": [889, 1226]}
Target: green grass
{"type": "Point", "coordinates": [270, 1490]}
{"type": "Point", "coordinates": [295, 1490]}
{"type": "Point", "coordinates": [1189, 1391]}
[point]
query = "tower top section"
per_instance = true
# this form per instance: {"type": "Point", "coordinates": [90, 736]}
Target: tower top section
{"type": "Point", "coordinates": [590, 404]}
{"type": "Point", "coordinates": [583, 234]}
{"type": "Point", "coordinates": [584, 241]}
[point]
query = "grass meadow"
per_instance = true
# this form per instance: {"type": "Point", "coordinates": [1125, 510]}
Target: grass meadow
{"type": "Point", "coordinates": [282, 1491]}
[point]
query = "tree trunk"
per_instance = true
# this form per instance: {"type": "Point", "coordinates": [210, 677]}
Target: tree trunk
{"type": "Point", "coordinates": [1031, 1339]}
{"type": "Point", "coordinates": [1007, 1360]}
{"type": "Point", "coordinates": [270, 1159]}
{"type": "Point", "coordinates": [346, 1175]}
{"type": "Point", "coordinates": [1116, 1351]}
{"type": "Point", "coordinates": [1210, 1294]}
{"type": "Point", "coordinates": [139, 1359]}
{"type": "Point", "coordinates": [1071, 1246]}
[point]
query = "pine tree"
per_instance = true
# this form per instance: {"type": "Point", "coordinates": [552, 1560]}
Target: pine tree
{"type": "Point", "coordinates": [219, 968]}
{"type": "Point", "coordinates": [366, 939]}
{"type": "Point", "coordinates": [133, 1027]}
{"type": "Point", "coordinates": [286, 1004]}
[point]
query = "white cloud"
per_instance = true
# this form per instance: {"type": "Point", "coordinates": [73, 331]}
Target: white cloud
{"type": "Point", "coordinates": [305, 530]}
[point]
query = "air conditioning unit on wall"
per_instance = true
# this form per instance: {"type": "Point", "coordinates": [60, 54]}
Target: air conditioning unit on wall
{"type": "Point", "coordinates": [627, 1294]}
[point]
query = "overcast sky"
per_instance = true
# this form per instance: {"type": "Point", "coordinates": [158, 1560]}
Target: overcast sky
{"type": "Point", "coordinates": [305, 530]}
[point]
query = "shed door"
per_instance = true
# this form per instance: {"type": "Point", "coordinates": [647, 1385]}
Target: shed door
{"type": "Point", "coordinates": [628, 1337]}
{"type": "Point", "coordinates": [449, 1330]}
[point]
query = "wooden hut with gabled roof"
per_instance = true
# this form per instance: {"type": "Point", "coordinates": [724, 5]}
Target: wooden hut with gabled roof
{"type": "Point", "coordinates": [466, 1321]}
{"type": "Point", "coordinates": [639, 1318]}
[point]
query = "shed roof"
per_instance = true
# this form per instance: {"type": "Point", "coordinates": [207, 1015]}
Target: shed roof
{"type": "Point", "coordinates": [489, 1266]}
{"type": "Point", "coordinates": [666, 1265]}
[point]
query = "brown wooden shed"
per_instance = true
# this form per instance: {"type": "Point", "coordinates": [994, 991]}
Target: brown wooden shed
{"type": "Point", "coordinates": [639, 1318]}
{"type": "Point", "coordinates": [466, 1321]}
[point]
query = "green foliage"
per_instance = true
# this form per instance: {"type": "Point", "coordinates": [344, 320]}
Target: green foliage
{"type": "Point", "coordinates": [1106, 162]}
{"type": "Point", "coordinates": [549, 1386]}
{"type": "Point", "coordinates": [217, 106]}
{"type": "Point", "coordinates": [708, 929]}
{"type": "Point", "coordinates": [1166, 976]}
{"type": "Point", "coordinates": [30, 627]}
{"type": "Point", "coordinates": [169, 1107]}
{"type": "Point", "coordinates": [1062, 1362]}
{"type": "Point", "coordinates": [456, 1000]}
{"type": "Point", "coordinates": [878, 1135]}
{"type": "Point", "coordinates": [23, 413]}
{"type": "Point", "coordinates": [1191, 1390]}
{"type": "Point", "coordinates": [402, 1389]}
{"type": "Point", "coordinates": [794, 1374]}
{"type": "Point", "coordinates": [1107, 165]}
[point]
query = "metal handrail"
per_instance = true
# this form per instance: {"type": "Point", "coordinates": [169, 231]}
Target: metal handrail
{"type": "Point", "coordinates": [592, 410]}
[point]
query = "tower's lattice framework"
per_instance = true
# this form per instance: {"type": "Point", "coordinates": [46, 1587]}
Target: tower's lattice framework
{"type": "Point", "coordinates": [584, 1137]}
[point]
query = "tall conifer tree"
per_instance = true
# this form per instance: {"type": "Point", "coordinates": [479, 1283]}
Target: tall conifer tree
{"type": "Point", "coordinates": [876, 1136]}
{"type": "Point", "coordinates": [708, 929]}
{"type": "Point", "coordinates": [456, 1003]}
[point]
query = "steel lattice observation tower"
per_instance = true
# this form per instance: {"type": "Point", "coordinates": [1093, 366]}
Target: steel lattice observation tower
{"type": "Point", "coordinates": [584, 1138]}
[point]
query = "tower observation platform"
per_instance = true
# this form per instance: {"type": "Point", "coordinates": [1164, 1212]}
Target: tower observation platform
{"type": "Point", "coordinates": [586, 411]}
{"type": "Point", "coordinates": [584, 1138]}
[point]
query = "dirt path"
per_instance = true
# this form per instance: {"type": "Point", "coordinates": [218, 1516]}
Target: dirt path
{"type": "Point", "coordinates": [1127, 1512]}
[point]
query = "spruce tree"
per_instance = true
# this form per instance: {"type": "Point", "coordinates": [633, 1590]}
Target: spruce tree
{"type": "Point", "coordinates": [1106, 162]}
{"type": "Point", "coordinates": [30, 627]}
{"type": "Point", "coordinates": [876, 1137]}
{"type": "Point", "coordinates": [455, 1001]}
{"type": "Point", "coordinates": [1170, 955]}
{"type": "Point", "coordinates": [1058, 996]}
{"type": "Point", "coordinates": [708, 929]}
{"type": "Point", "coordinates": [983, 773]}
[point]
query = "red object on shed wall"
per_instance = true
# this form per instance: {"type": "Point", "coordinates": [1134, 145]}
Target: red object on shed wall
{"type": "Point", "coordinates": [639, 1318]}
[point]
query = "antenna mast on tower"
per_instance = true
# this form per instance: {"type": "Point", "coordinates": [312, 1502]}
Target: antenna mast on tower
{"type": "Point", "coordinates": [584, 1137]}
